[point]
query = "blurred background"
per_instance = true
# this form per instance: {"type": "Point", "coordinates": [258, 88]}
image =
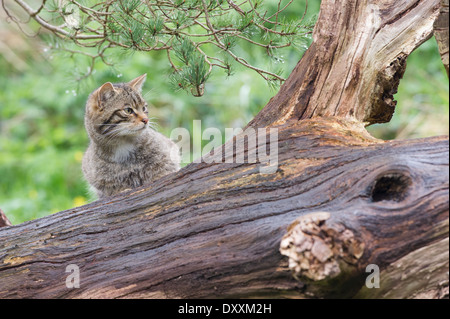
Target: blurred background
{"type": "Point", "coordinates": [42, 135]}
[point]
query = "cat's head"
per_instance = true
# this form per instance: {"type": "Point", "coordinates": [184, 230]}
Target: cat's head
{"type": "Point", "coordinates": [115, 111]}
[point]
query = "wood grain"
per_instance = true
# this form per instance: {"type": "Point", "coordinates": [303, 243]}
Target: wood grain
{"type": "Point", "coordinates": [214, 230]}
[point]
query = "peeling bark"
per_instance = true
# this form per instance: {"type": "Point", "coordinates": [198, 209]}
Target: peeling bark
{"type": "Point", "coordinates": [353, 67]}
{"type": "Point", "coordinates": [314, 249]}
{"type": "Point", "coordinates": [441, 26]}
{"type": "Point", "coordinates": [4, 221]}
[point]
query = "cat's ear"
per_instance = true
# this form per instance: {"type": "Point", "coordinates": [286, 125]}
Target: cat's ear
{"type": "Point", "coordinates": [138, 82]}
{"type": "Point", "coordinates": [104, 93]}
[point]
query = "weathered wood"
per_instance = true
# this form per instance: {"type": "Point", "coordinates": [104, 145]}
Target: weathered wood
{"type": "Point", "coordinates": [4, 221]}
{"type": "Point", "coordinates": [338, 201]}
{"type": "Point", "coordinates": [422, 274]}
{"type": "Point", "coordinates": [441, 33]}
{"type": "Point", "coordinates": [354, 66]}
{"type": "Point", "coordinates": [214, 230]}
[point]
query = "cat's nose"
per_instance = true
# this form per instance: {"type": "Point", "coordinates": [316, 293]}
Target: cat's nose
{"type": "Point", "coordinates": [145, 120]}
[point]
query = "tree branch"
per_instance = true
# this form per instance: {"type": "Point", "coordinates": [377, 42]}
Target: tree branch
{"type": "Point", "coordinates": [353, 74]}
{"type": "Point", "coordinates": [442, 34]}
{"type": "Point", "coordinates": [4, 221]}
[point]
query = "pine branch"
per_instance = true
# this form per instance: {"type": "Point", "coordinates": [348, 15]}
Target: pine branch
{"type": "Point", "coordinates": [181, 27]}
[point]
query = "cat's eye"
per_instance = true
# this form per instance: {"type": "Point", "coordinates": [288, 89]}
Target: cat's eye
{"type": "Point", "coordinates": [128, 110]}
{"type": "Point", "coordinates": [144, 109]}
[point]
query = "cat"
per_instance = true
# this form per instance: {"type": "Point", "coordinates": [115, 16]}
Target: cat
{"type": "Point", "coordinates": [124, 152]}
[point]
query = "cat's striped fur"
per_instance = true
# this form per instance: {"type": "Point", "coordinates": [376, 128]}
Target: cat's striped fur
{"type": "Point", "coordinates": [124, 152]}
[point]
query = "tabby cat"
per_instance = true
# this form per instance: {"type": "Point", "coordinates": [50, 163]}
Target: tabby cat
{"type": "Point", "coordinates": [124, 152]}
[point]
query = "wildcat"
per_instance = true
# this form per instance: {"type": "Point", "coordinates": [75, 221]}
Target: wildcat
{"type": "Point", "coordinates": [124, 152]}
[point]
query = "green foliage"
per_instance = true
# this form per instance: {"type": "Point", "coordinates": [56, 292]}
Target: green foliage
{"type": "Point", "coordinates": [155, 25]}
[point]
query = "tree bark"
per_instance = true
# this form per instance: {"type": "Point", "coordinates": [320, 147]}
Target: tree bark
{"type": "Point", "coordinates": [339, 200]}
{"type": "Point", "coordinates": [441, 26]}
{"type": "Point", "coordinates": [4, 221]}
{"type": "Point", "coordinates": [355, 63]}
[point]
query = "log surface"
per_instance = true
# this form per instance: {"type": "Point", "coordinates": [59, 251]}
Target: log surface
{"type": "Point", "coordinates": [214, 230]}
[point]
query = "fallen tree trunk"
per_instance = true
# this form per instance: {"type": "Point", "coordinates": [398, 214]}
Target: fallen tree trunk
{"type": "Point", "coordinates": [339, 200]}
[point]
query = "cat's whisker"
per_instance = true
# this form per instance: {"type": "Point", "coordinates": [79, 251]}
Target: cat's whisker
{"type": "Point", "coordinates": [116, 124]}
{"type": "Point", "coordinates": [110, 140]}
{"type": "Point", "coordinates": [150, 119]}
{"type": "Point", "coordinates": [114, 130]}
{"type": "Point", "coordinates": [108, 127]}
{"type": "Point", "coordinates": [113, 134]}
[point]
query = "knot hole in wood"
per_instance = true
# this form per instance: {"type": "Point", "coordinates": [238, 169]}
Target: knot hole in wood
{"type": "Point", "coordinates": [391, 186]}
